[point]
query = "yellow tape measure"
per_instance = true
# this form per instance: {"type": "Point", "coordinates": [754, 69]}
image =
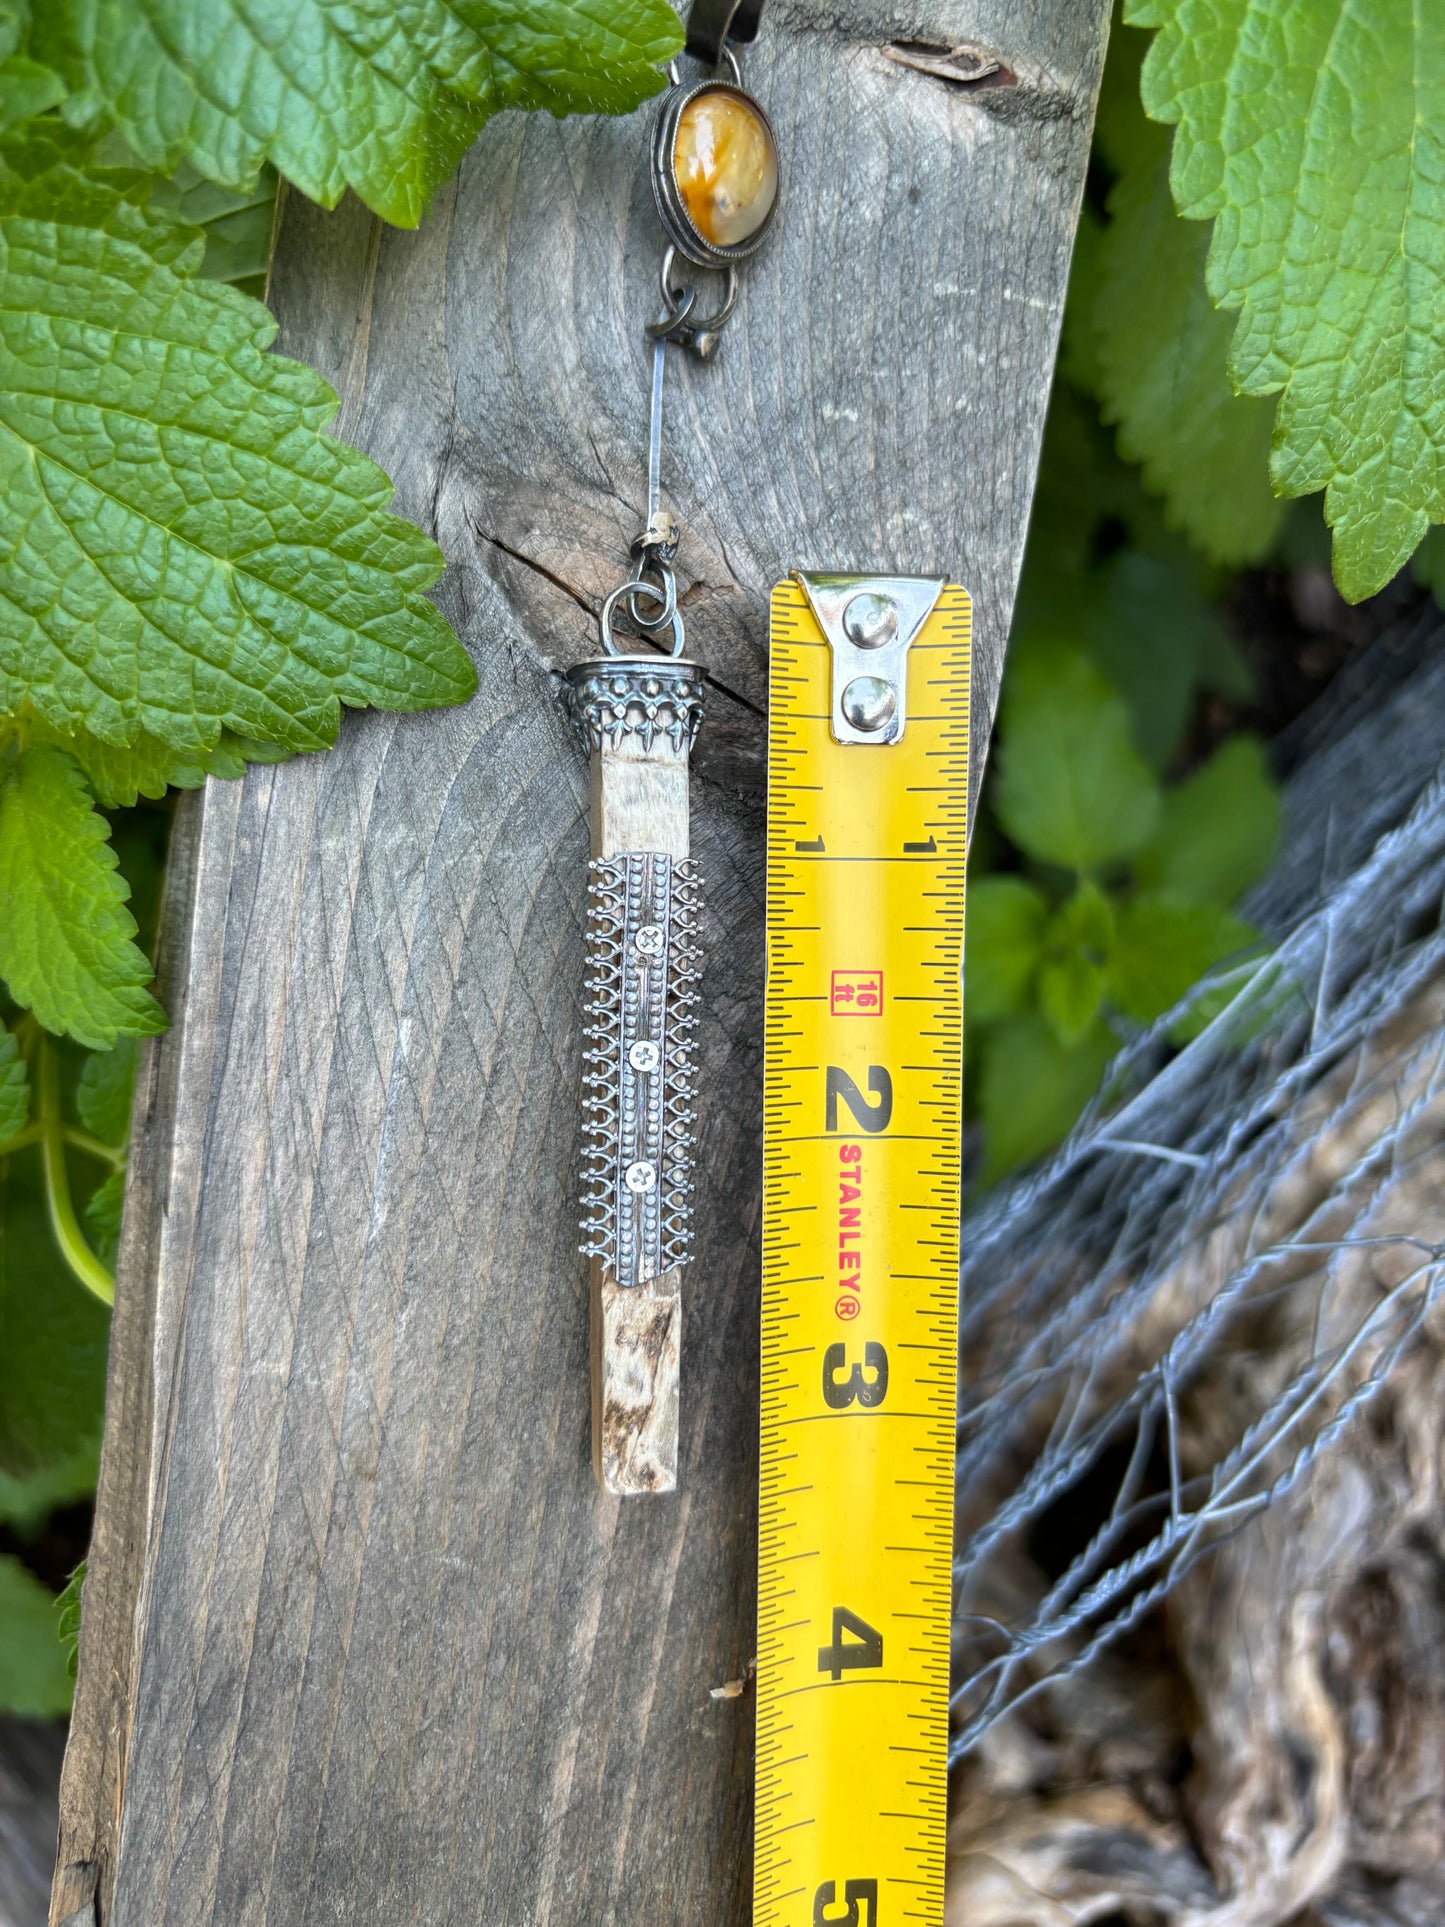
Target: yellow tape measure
{"type": "Point", "coordinates": [861, 1147]}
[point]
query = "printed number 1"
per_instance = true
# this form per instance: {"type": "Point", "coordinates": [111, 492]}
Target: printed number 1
{"type": "Point", "coordinates": [853, 1891]}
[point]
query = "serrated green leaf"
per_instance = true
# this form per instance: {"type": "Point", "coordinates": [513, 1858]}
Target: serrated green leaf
{"type": "Point", "coordinates": [182, 550]}
{"type": "Point", "coordinates": [1218, 830]}
{"type": "Point", "coordinates": [1071, 788]}
{"type": "Point", "coordinates": [53, 1338]}
{"type": "Point", "coordinates": [1313, 133]}
{"type": "Point", "coordinates": [236, 223]}
{"type": "Point", "coordinates": [1160, 348]}
{"type": "Point", "coordinates": [103, 1210]}
{"type": "Point", "coordinates": [382, 99]}
{"type": "Point", "coordinates": [1077, 946]}
{"type": "Point", "coordinates": [1164, 947]}
{"type": "Point", "coordinates": [14, 1086]}
{"type": "Point", "coordinates": [66, 948]}
{"type": "Point", "coordinates": [1032, 1088]}
{"type": "Point", "coordinates": [147, 767]}
{"type": "Point", "coordinates": [34, 1680]}
{"type": "Point", "coordinates": [67, 1616]}
{"type": "Point", "coordinates": [104, 1090]}
{"type": "Point", "coordinates": [1003, 942]}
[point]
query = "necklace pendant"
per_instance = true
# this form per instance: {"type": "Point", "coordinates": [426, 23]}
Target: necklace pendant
{"type": "Point", "coordinates": [639, 715]}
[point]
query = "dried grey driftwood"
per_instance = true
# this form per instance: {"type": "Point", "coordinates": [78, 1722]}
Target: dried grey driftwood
{"type": "Point", "coordinates": [1200, 1634]}
{"type": "Point", "coordinates": [362, 1641]}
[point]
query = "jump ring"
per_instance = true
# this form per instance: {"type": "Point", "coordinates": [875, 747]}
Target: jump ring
{"type": "Point", "coordinates": [635, 587]}
{"type": "Point", "coordinates": [681, 300]}
{"type": "Point", "coordinates": [666, 600]}
{"type": "Point", "coordinates": [680, 304]}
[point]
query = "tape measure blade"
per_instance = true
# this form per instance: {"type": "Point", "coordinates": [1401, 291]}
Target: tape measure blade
{"type": "Point", "coordinates": [861, 1147]}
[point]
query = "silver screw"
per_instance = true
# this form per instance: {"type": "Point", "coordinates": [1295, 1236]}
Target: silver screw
{"type": "Point", "coordinates": [869, 703]}
{"type": "Point", "coordinates": [640, 1177]}
{"type": "Point", "coordinates": [870, 621]}
{"type": "Point", "coordinates": [651, 940]}
{"type": "Point", "coordinates": [643, 1057]}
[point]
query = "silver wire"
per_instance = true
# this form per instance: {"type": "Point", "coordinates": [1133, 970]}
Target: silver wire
{"type": "Point", "coordinates": [654, 439]}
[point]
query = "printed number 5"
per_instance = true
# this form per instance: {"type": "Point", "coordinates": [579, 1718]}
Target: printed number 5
{"type": "Point", "coordinates": [853, 1892]}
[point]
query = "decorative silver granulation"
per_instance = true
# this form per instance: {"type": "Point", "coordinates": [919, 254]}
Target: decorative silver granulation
{"type": "Point", "coordinates": [638, 1096]}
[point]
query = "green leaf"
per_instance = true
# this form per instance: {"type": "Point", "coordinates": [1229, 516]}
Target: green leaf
{"type": "Point", "coordinates": [182, 550]}
{"type": "Point", "coordinates": [1071, 788]}
{"type": "Point", "coordinates": [14, 1087]}
{"type": "Point", "coordinates": [67, 1616]}
{"type": "Point", "coordinates": [1003, 943]}
{"type": "Point", "coordinates": [236, 223]}
{"type": "Point", "coordinates": [237, 227]}
{"type": "Point", "coordinates": [26, 88]}
{"type": "Point", "coordinates": [1313, 133]}
{"type": "Point", "coordinates": [146, 767]}
{"type": "Point", "coordinates": [1164, 948]}
{"type": "Point", "coordinates": [53, 1337]}
{"type": "Point", "coordinates": [34, 1680]}
{"type": "Point", "coordinates": [104, 1090]}
{"type": "Point", "coordinates": [1077, 947]}
{"type": "Point", "coordinates": [1218, 831]}
{"type": "Point", "coordinates": [1157, 640]}
{"type": "Point", "coordinates": [1159, 362]}
{"type": "Point", "coordinates": [1071, 989]}
{"type": "Point", "coordinates": [27, 1502]}
{"type": "Point", "coordinates": [1032, 1088]}
{"type": "Point", "coordinates": [66, 948]}
{"type": "Point", "coordinates": [381, 99]}
{"type": "Point", "coordinates": [1144, 611]}
{"type": "Point", "coordinates": [102, 1217]}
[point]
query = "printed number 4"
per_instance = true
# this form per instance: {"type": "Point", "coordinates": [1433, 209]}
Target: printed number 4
{"type": "Point", "coordinates": [853, 1891]}
{"type": "Point", "coordinates": [865, 1648]}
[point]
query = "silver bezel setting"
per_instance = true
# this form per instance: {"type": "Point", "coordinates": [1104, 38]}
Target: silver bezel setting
{"type": "Point", "coordinates": [671, 209]}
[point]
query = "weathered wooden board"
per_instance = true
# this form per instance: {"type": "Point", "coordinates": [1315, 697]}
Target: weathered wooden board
{"type": "Point", "coordinates": [362, 1640]}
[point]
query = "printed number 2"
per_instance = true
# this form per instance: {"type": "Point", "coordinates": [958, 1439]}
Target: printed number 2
{"type": "Point", "coordinates": [839, 1393]}
{"type": "Point", "coordinates": [865, 1648]}
{"type": "Point", "coordinates": [868, 1117]}
{"type": "Point", "coordinates": [853, 1891]}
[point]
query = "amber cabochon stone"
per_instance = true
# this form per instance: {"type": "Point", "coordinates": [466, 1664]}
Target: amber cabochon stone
{"type": "Point", "coordinates": [726, 167]}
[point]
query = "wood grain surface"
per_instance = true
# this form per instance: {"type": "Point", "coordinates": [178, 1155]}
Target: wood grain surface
{"type": "Point", "coordinates": [362, 1641]}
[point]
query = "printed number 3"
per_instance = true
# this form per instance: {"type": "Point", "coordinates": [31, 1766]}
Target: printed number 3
{"type": "Point", "coordinates": [840, 1393]}
{"type": "Point", "coordinates": [854, 1891]}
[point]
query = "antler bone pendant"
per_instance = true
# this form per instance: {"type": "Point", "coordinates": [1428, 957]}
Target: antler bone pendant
{"type": "Point", "coordinates": [640, 715]}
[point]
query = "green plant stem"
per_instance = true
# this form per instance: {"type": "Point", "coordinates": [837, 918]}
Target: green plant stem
{"type": "Point", "coordinates": [63, 1221]}
{"type": "Point", "coordinates": [92, 1147]}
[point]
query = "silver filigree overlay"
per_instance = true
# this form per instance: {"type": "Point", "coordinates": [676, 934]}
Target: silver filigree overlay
{"type": "Point", "coordinates": [640, 1082]}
